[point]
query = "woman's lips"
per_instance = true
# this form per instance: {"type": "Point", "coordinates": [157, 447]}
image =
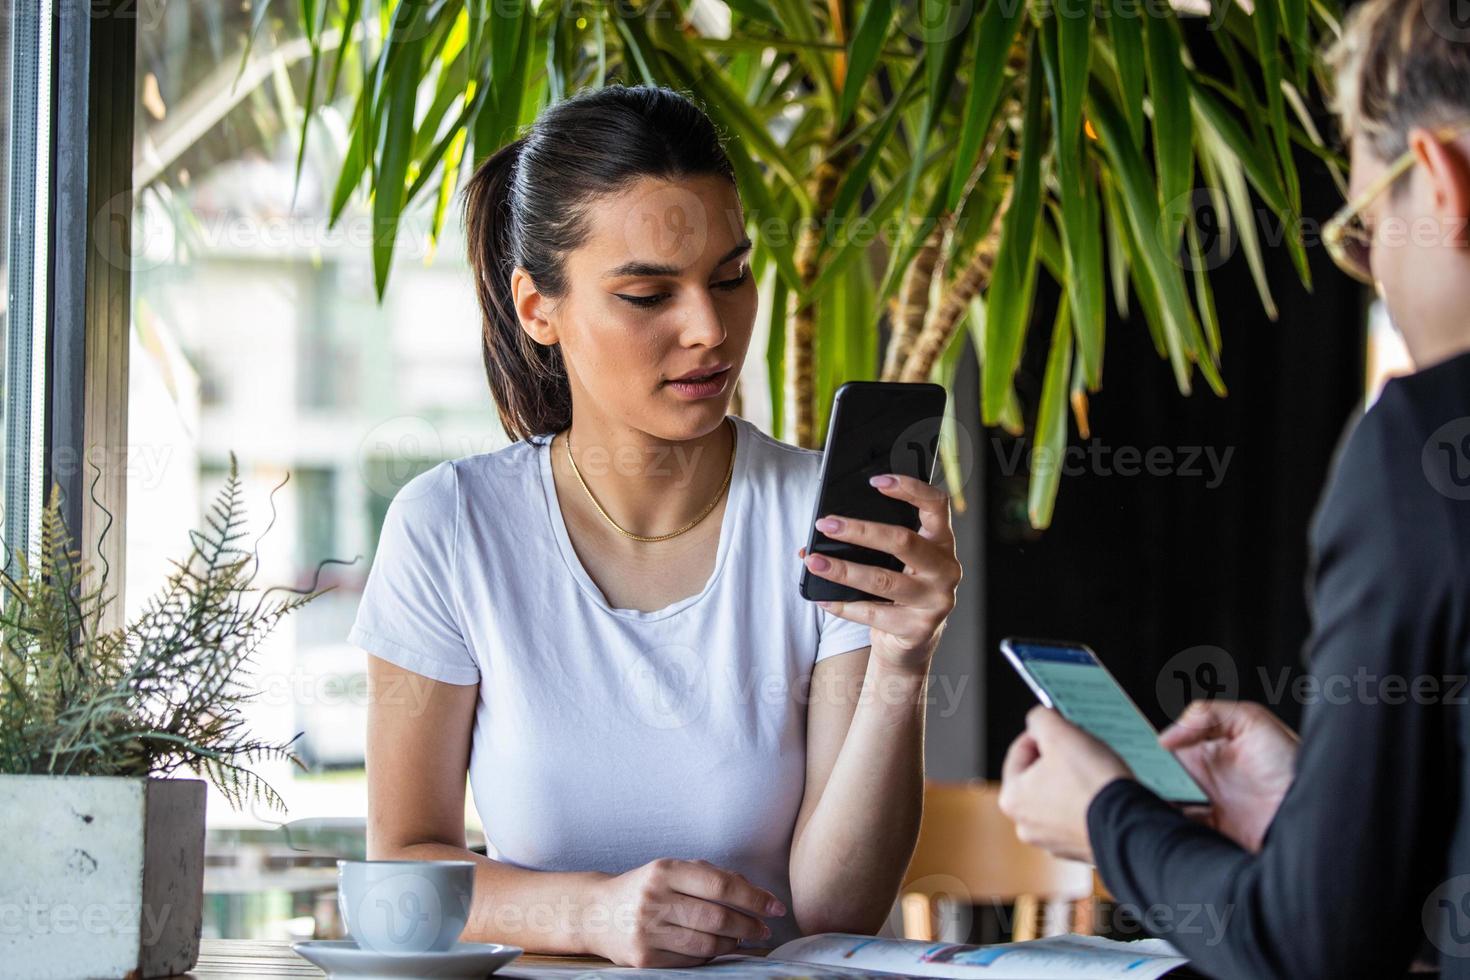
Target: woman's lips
{"type": "Point", "coordinates": [701, 388]}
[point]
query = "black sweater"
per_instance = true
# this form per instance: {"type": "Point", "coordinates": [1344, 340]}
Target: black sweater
{"type": "Point", "coordinates": [1371, 845]}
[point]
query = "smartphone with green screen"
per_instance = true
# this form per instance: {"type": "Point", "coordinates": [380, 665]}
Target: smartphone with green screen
{"type": "Point", "coordinates": [1070, 678]}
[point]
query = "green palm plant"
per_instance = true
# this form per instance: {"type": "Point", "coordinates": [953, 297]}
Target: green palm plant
{"type": "Point", "coordinates": [923, 159]}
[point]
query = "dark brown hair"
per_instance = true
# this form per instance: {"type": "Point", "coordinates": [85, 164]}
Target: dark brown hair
{"type": "Point", "coordinates": [526, 206]}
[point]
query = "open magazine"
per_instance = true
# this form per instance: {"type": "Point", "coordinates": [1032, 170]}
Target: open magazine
{"type": "Point", "coordinates": [839, 956]}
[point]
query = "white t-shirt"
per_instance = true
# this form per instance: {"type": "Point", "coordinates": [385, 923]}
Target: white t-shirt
{"type": "Point", "coordinates": [605, 738]}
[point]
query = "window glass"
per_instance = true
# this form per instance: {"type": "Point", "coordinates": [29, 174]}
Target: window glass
{"type": "Point", "coordinates": [256, 331]}
{"type": "Point", "coordinates": [25, 135]}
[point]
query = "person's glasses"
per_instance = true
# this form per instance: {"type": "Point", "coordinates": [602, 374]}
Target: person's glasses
{"type": "Point", "coordinates": [1348, 241]}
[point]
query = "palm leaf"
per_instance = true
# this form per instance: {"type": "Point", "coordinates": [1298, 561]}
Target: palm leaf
{"type": "Point", "coordinates": [1008, 307]}
{"type": "Point", "coordinates": [1051, 423]}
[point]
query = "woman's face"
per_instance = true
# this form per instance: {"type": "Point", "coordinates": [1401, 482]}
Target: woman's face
{"type": "Point", "coordinates": [660, 290]}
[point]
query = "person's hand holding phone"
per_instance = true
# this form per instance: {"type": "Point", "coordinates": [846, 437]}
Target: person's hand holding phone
{"type": "Point", "coordinates": [1244, 758]}
{"type": "Point", "coordinates": [1051, 774]}
{"type": "Point", "coordinates": [905, 629]}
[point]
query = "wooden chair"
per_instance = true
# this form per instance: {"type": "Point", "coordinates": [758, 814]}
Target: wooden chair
{"type": "Point", "coordinates": [969, 853]}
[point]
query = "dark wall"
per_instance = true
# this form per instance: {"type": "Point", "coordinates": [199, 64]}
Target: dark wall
{"type": "Point", "coordinates": [1146, 568]}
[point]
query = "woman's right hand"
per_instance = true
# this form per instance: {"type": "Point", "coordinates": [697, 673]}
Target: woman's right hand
{"type": "Point", "coordinates": [670, 913]}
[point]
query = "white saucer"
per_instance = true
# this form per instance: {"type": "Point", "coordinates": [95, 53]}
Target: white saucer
{"type": "Point", "coordinates": [462, 961]}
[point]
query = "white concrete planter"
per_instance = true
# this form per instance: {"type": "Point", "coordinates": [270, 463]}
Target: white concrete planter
{"type": "Point", "coordinates": [100, 876]}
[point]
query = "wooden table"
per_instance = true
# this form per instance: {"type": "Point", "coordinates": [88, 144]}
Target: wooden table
{"type": "Point", "coordinates": [274, 958]}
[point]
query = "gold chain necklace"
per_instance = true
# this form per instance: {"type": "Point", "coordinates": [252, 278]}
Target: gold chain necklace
{"type": "Point", "coordinates": [729, 472]}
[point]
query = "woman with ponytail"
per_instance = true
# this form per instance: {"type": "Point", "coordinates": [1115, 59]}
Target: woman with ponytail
{"type": "Point", "coordinates": [673, 754]}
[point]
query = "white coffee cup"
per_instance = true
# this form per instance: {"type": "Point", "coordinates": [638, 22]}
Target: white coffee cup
{"type": "Point", "coordinates": [405, 906]}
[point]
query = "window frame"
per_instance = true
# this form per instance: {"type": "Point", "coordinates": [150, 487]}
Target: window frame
{"type": "Point", "coordinates": [29, 45]}
{"type": "Point", "coordinates": [89, 281]}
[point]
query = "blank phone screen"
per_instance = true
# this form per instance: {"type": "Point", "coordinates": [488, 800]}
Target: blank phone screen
{"type": "Point", "coordinates": [876, 428]}
{"type": "Point", "coordinates": [1088, 696]}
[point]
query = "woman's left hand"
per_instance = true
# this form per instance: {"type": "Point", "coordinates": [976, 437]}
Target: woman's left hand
{"type": "Point", "coordinates": [906, 630]}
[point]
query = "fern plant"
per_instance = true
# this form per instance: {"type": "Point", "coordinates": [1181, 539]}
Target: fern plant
{"type": "Point", "coordinates": [151, 696]}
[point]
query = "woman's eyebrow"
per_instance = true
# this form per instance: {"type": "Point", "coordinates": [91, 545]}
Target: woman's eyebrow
{"type": "Point", "coordinates": [636, 268]}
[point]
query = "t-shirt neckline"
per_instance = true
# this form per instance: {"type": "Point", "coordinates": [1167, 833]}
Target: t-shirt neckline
{"type": "Point", "coordinates": [574, 563]}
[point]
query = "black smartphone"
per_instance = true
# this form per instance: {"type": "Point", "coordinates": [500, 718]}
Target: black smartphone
{"type": "Point", "coordinates": [876, 427]}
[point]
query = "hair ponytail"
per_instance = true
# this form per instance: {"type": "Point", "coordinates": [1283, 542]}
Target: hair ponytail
{"type": "Point", "coordinates": [527, 379]}
{"type": "Point", "coordinates": [525, 206]}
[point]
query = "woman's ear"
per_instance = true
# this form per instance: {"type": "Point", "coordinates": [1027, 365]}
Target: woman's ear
{"type": "Point", "coordinates": [1448, 171]}
{"type": "Point", "coordinates": [531, 308]}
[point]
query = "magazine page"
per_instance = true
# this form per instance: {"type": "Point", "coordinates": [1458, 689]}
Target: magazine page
{"type": "Point", "coordinates": [1053, 958]}
{"type": "Point", "coordinates": [843, 956]}
{"type": "Point", "coordinates": [732, 966]}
